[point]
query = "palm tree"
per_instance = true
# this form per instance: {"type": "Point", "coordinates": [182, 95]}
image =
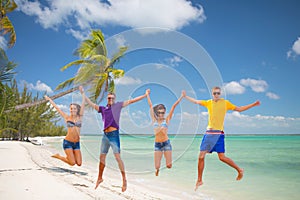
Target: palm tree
{"type": "Point", "coordinates": [96, 69]}
{"type": "Point", "coordinates": [38, 102]}
{"type": "Point", "coordinates": [6, 75]}
{"type": "Point", "coordinates": [6, 68]}
{"type": "Point", "coordinates": [6, 26]}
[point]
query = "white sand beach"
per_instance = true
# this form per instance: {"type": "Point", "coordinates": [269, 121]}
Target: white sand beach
{"type": "Point", "coordinates": [27, 171]}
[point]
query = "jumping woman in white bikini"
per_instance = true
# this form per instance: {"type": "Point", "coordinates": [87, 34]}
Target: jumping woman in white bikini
{"type": "Point", "coordinates": [162, 144]}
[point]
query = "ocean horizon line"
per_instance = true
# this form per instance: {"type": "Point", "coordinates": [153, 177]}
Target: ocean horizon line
{"type": "Point", "coordinates": [198, 134]}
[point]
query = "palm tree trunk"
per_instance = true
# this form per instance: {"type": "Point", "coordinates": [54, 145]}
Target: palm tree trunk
{"type": "Point", "coordinates": [28, 105]}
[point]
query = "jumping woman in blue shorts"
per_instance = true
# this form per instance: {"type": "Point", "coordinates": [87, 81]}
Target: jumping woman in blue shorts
{"type": "Point", "coordinates": [162, 145]}
{"type": "Point", "coordinates": [71, 143]}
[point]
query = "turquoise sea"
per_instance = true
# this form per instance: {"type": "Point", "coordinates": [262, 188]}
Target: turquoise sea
{"type": "Point", "coordinates": [271, 164]}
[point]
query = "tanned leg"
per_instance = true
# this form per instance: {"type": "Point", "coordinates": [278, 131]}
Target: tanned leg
{"type": "Point", "coordinates": [157, 160]}
{"type": "Point", "coordinates": [201, 159]}
{"type": "Point", "coordinates": [232, 164]}
{"type": "Point", "coordinates": [70, 159]}
{"type": "Point", "coordinates": [101, 169]}
{"type": "Point", "coordinates": [122, 169]}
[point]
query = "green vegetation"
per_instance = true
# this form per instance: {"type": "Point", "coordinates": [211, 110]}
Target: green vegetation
{"type": "Point", "coordinates": [39, 120]}
{"type": "Point", "coordinates": [6, 27]}
{"type": "Point", "coordinates": [96, 70]}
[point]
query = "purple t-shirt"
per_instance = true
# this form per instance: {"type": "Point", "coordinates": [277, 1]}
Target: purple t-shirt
{"type": "Point", "coordinates": [111, 114]}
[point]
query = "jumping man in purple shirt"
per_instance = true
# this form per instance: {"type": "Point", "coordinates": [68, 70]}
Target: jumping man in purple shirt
{"type": "Point", "coordinates": [111, 116]}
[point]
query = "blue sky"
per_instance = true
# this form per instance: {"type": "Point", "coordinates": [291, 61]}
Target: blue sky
{"type": "Point", "coordinates": [253, 45]}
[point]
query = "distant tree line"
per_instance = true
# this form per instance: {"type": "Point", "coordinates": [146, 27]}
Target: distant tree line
{"type": "Point", "coordinates": [39, 120]}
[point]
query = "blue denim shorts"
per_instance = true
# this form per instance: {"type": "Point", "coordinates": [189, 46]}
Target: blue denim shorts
{"type": "Point", "coordinates": [163, 146]}
{"type": "Point", "coordinates": [71, 145]}
{"type": "Point", "coordinates": [110, 139]}
{"type": "Point", "coordinates": [213, 142]}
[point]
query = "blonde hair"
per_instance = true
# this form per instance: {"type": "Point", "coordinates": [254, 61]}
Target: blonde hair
{"type": "Point", "coordinates": [216, 88]}
{"type": "Point", "coordinates": [111, 93]}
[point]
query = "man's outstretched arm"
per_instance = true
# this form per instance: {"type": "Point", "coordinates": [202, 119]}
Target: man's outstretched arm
{"type": "Point", "coordinates": [243, 108]}
{"type": "Point", "coordinates": [136, 99]}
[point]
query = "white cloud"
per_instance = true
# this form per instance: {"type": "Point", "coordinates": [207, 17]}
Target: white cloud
{"type": "Point", "coordinates": [127, 80]}
{"type": "Point", "coordinates": [236, 122]}
{"type": "Point", "coordinates": [260, 124]}
{"type": "Point", "coordinates": [39, 86]}
{"type": "Point", "coordinates": [64, 108]}
{"type": "Point", "coordinates": [296, 46]}
{"type": "Point", "coordinates": [295, 51]}
{"type": "Point", "coordinates": [79, 35]}
{"type": "Point", "coordinates": [256, 85]}
{"type": "Point", "coordinates": [272, 95]}
{"type": "Point", "coordinates": [289, 54]}
{"type": "Point", "coordinates": [174, 61]}
{"type": "Point", "coordinates": [233, 88]}
{"type": "Point", "coordinates": [82, 14]}
{"type": "Point", "coordinates": [120, 41]}
{"type": "Point", "coordinates": [159, 66]}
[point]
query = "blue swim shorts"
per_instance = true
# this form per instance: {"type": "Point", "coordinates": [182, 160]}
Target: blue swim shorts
{"type": "Point", "coordinates": [213, 142]}
{"type": "Point", "coordinates": [71, 145]}
{"type": "Point", "coordinates": [110, 139]}
{"type": "Point", "coordinates": [163, 146]}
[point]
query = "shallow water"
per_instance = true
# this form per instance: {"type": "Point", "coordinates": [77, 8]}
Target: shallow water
{"type": "Point", "coordinates": [271, 164]}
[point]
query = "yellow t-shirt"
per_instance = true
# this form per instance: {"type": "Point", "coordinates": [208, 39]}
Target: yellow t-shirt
{"type": "Point", "coordinates": [216, 112]}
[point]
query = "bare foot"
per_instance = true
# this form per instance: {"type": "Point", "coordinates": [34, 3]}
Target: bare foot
{"type": "Point", "coordinates": [124, 187]}
{"type": "Point", "coordinates": [240, 175]}
{"type": "Point", "coordinates": [156, 173]}
{"type": "Point", "coordinates": [98, 183]}
{"type": "Point", "coordinates": [199, 183]}
{"type": "Point", "coordinates": [56, 156]}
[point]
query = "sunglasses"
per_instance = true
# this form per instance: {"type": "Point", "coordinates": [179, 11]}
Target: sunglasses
{"type": "Point", "coordinates": [160, 113]}
{"type": "Point", "coordinates": [216, 93]}
{"type": "Point", "coordinates": [110, 98]}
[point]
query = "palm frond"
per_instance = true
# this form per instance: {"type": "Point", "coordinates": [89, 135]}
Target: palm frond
{"type": "Point", "coordinates": [111, 87]}
{"type": "Point", "coordinates": [6, 27]}
{"type": "Point", "coordinates": [99, 85]}
{"type": "Point", "coordinates": [86, 49]}
{"type": "Point", "coordinates": [86, 73]}
{"type": "Point", "coordinates": [3, 55]}
{"type": "Point", "coordinates": [101, 59]}
{"type": "Point", "coordinates": [76, 62]}
{"type": "Point", "coordinates": [98, 39]}
{"type": "Point", "coordinates": [6, 67]}
{"type": "Point", "coordinates": [117, 73]}
{"type": "Point", "coordinates": [93, 46]}
{"type": "Point", "coordinates": [117, 56]}
{"type": "Point", "coordinates": [65, 83]}
{"type": "Point", "coordinates": [8, 6]}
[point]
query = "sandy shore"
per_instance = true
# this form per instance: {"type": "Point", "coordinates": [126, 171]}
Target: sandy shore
{"type": "Point", "coordinates": [27, 171]}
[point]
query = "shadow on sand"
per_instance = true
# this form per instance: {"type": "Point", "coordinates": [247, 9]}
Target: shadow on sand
{"type": "Point", "coordinates": [63, 170]}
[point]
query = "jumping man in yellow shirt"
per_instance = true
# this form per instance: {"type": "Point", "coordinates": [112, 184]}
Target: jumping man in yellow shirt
{"type": "Point", "coordinates": [213, 139]}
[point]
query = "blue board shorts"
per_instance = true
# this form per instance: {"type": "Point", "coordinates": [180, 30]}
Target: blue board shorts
{"type": "Point", "coordinates": [110, 139]}
{"type": "Point", "coordinates": [213, 142]}
{"type": "Point", "coordinates": [163, 146]}
{"type": "Point", "coordinates": [71, 145]}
